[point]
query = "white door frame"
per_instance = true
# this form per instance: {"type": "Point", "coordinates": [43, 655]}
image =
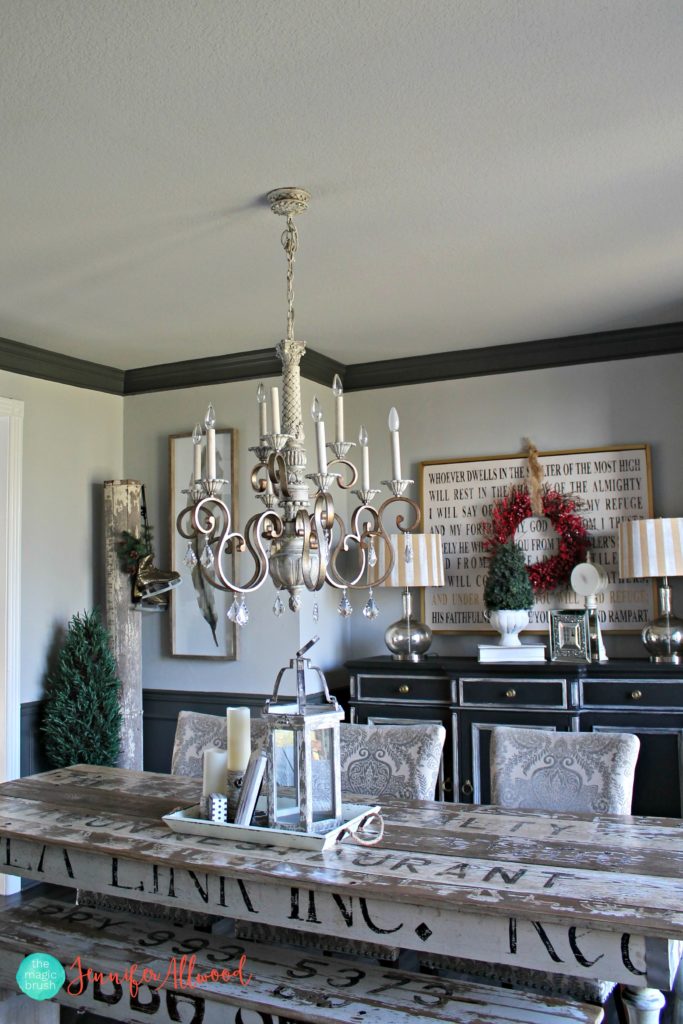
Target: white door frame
{"type": "Point", "coordinates": [11, 435]}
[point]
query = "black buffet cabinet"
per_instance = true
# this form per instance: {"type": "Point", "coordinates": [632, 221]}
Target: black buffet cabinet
{"type": "Point", "coordinates": [469, 699]}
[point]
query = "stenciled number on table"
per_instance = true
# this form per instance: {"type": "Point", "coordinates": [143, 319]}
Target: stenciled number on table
{"type": "Point", "coordinates": [553, 571]}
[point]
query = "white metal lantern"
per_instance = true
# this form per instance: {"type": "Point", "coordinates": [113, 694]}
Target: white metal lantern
{"type": "Point", "coordinates": [302, 745]}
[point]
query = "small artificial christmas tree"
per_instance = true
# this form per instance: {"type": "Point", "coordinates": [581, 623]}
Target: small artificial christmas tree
{"type": "Point", "coordinates": [508, 585]}
{"type": "Point", "coordinates": [82, 719]}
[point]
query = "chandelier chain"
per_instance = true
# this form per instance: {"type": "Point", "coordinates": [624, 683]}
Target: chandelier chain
{"type": "Point", "coordinates": [290, 243]}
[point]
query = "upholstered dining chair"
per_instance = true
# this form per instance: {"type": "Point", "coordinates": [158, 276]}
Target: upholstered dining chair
{"type": "Point", "coordinates": [539, 770]}
{"type": "Point", "coordinates": [377, 761]}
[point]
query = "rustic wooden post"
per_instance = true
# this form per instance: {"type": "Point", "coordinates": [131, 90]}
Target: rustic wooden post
{"type": "Point", "coordinates": [122, 512]}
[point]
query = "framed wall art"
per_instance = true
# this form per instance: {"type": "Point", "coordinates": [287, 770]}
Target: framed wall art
{"type": "Point", "coordinates": [459, 496]}
{"type": "Point", "coordinates": [200, 627]}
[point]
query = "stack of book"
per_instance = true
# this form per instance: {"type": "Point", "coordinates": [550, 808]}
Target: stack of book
{"type": "Point", "coordinates": [490, 654]}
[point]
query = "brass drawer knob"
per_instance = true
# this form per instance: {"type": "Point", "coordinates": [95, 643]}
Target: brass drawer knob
{"type": "Point", "coordinates": [636, 694]}
{"type": "Point", "coordinates": [511, 694]}
{"type": "Point", "coordinates": [448, 785]}
{"type": "Point", "coordinates": [467, 788]}
{"type": "Point", "coordinates": [404, 688]}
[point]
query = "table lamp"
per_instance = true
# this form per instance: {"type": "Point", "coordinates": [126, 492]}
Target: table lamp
{"type": "Point", "coordinates": [418, 562]}
{"type": "Point", "coordinates": [654, 548]}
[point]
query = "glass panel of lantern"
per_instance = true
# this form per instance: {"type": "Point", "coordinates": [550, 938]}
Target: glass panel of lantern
{"type": "Point", "coordinates": [303, 757]}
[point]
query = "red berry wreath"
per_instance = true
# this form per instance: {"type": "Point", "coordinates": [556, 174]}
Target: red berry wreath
{"type": "Point", "coordinates": [554, 571]}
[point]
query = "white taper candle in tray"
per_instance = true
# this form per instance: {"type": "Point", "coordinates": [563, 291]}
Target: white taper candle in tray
{"type": "Point", "coordinates": [239, 738]}
{"type": "Point", "coordinates": [215, 772]}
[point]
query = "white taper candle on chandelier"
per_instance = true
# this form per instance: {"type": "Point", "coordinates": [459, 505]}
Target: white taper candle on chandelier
{"type": "Point", "coordinates": [395, 445]}
{"type": "Point", "coordinates": [197, 446]}
{"type": "Point", "coordinates": [215, 772]}
{"type": "Point", "coordinates": [317, 414]}
{"type": "Point", "coordinates": [365, 458]}
{"type": "Point", "coordinates": [238, 723]}
{"type": "Point", "coordinates": [262, 410]}
{"type": "Point", "coordinates": [275, 409]}
{"type": "Point", "coordinates": [338, 392]}
{"type": "Point", "coordinates": [210, 424]}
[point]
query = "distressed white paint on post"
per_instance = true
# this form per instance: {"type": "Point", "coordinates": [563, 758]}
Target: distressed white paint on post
{"type": "Point", "coordinates": [122, 512]}
{"type": "Point", "coordinates": [11, 433]}
{"type": "Point", "coordinates": [642, 1005]}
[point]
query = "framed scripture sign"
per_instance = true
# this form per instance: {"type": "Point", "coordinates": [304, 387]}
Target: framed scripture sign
{"type": "Point", "coordinates": [458, 497]}
{"type": "Point", "coordinates": [200, 627]}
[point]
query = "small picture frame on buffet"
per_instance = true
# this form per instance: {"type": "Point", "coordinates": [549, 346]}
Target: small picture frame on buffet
{"type": "Point", "coordinates": [569, 636]}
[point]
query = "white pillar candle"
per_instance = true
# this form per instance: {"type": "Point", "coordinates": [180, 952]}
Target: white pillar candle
{"type": "Point", "coordinates": [317, 414]}
{"type": "Point", "coordinates": [197, 445]}
{"type": "Point", "coordinates": [395, 445]}
{"type": "Point", "coordinates": [338, 408]}
{"type": "Point", "coordinates": [210, 423]}
{"type": "Point", "coordinates": [262, 410]}
{"type": "Point", "coordinates": [215, 768]}
{"type": "Point", "coordinates": [275, 409]}
{"type": "Point", "coordinates": [239, 738]}
{"type": "Point", "coordinates": [365, 458]}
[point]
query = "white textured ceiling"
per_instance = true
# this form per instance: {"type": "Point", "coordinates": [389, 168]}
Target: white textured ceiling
{"type": "Point", "coordinates": [483, 172]}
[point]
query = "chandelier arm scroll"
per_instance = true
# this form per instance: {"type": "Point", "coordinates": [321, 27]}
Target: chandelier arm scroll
{"type": "Point", "coordinates": [414, 522]}
{"type": "Point", "coordinates": [210, 518]}
{"type": "Point", "coordinates": [340, 481]}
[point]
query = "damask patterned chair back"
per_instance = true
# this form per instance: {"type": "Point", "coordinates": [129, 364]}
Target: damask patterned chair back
{"type": "Point", "coordinates": [563, 771]}
{"type": "Point", "coordinates": [376, 760]}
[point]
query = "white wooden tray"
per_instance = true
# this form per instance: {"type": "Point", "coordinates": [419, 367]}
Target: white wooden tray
{"type": "Point", "coordinates": [187, 821]}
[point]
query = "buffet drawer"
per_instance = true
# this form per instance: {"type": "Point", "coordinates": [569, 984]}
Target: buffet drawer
{"type": "Point", "coordinates": [632, 693]}
{"type": "Point", "coordinates": [402, 687]}
{"type": "Point", "coordinates": [487, 691]}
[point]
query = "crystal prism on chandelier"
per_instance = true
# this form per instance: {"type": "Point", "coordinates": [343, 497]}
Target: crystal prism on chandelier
{"type": "Point", "coordinates": [298, 537]}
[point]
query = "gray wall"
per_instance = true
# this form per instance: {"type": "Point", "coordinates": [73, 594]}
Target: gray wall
{"type": "Point", "coordinates": [631, 401]}
{"type": "Point", "coordinates": [72, 441]}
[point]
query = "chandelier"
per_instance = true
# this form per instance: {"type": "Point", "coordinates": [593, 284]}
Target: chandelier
{"type": "Point", "coordinates": [299, 540]}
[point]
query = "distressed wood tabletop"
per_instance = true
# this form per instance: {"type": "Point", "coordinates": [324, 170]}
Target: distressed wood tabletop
{"type": "Point", "coordinates": [600, 896]}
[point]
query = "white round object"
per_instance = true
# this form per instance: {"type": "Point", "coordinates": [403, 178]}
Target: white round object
{"type": "Point", "coordinates": [587, 578]}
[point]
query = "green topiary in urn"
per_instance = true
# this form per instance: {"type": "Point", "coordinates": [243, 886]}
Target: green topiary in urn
{"type": "Point", "coordinates": [508, 594]}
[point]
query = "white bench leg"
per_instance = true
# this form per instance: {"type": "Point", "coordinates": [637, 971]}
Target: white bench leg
{"type": "Point", "coordinates": [14, 1008]}
{"type": "Point", "coordinates": [677, 1016]}
{"type": "Point", "coordinates": [643, 1005]}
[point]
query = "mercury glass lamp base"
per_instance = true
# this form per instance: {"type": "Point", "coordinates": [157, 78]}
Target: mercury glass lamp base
{"type": "Point", "coordinates": [663, 637]}
{"type": "Point", "coordinates": [408, 639]}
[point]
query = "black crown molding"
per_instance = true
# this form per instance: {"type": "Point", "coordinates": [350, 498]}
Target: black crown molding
{"type": "Point", "coordinates": [606, 346]}
{"type": "Point", "coordinates": [192, 373]}
{"type": "Point", "coordinates": [31, 361]}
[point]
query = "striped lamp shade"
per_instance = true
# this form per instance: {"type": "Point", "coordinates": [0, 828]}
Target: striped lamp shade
{"type": "Point", "coordinates": [424, 569]}
{"type": "Point", "coordinates": [650, 547]}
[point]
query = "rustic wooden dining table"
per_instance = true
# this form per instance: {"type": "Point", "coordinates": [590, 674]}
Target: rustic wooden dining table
{"type": "Point", "coordinates": [588, 895]}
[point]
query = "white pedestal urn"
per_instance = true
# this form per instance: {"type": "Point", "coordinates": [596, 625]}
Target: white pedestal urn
{"type": "Point", "coordinates": [509, 622]}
